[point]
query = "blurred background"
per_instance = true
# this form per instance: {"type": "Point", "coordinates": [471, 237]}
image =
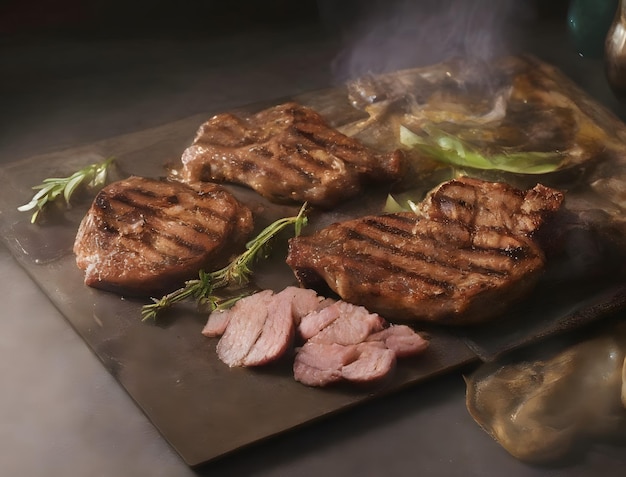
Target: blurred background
{"type": "Point", "coordinates": [57, 53]}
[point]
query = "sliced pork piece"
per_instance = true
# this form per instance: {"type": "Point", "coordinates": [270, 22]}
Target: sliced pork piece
{"type": "Point", "coordinates": [401, 339]}
{"type": "Point", "coordinates": [345, 342]}
{"type": "Point", "coordinates": [463, 258]}
{"type": "Point", "coordinates": [320, 364]}
{"type": "Point", "coordinates": [145, 236]}
{"type": "Point", "coordinates": [248, 317]}
{"type": "Point", "coordinates": [217, 323]}
{"type": "Point", "coordinates": [279, 328]}
{"type": "Point", "coordinates": [341, 341]}
{"type": "Point", "coordinates": [260, 328]}
{"type": "Point", "coordinates": [375, 361]}
{"type": "Point", "coordinates": [286, 153]}
{"type": "Point", "coordinates": [343, 323]}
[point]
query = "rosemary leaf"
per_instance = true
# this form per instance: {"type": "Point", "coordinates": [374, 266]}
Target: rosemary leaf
{"type": "Point", "coordinates": [237, 273]}
{"type": "Point", "coordinates": [91, 176]}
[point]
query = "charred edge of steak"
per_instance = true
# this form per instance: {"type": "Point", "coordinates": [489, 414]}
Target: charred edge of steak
{"type": "Point", "coordinates": [145, 236]}
{"type": "Point", "coordinates": [473, 243]}
{"type": "Point", "coordinates": [287, 153]}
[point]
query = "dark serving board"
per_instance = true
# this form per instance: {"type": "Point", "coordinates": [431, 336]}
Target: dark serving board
{"type": "Point", "coordinates": [203, 408]}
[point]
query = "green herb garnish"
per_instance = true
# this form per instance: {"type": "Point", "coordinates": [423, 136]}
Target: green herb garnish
{"type": "Point", "coordinates": [236, 273]}
{"type": "Point", "coordinates": [55, 188]}
{"type": "Point", "coordinates": [450, 149]}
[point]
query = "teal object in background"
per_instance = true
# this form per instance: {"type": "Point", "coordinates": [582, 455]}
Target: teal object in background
{"type": "Point", "coordinates": [588, 22]}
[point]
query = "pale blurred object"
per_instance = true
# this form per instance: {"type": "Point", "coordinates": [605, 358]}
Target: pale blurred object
{"type": "Point", "coordinates": [615, 52]}
{"type": "Point", "coordinates": [544, 409]}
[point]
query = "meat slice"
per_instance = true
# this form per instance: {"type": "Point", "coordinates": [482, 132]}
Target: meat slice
{"type": "Point", "coordinates": [145, 236]}
{"type": "Point", "coordinates": [345, 342]}
{"type": "Point", "coordinates": [217, 323]}
{"type": "Point", "coordinates": [244, 328]}
{"type": "Point", "coordinates": [286, 153]}
{"type": "Point", "coordinates": [467, 254]}
{"type": "Point", "coordinates": [342, 342]}
{"type": "Point", "coordinates": [401, 339]}
{"type": "Point", "coordinates": [320, 364]}
{"type": "Point", "coordinates": [374, 362]}
{"type": "Point", "coordinates": [342, 323]}
{"type": "Point", "coordinates": [260, 328]}
{"type": "Point", "coordinates": [279, 328]}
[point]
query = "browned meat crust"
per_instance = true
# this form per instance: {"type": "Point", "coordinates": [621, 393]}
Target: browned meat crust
{"type": "Point", "coordinates": [286, 153]}
{"type": "Point", "coordinates": [464, 258]}
{"type": "Point", "coordinates": [144, 236]}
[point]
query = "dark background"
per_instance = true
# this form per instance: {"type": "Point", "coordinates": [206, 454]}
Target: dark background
{"type": "Point", "coordinates": [97, 18]}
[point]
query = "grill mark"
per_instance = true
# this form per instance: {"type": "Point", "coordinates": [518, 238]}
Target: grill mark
{"type": "Point", "coordinates": [370, 263]}
{"type": "Point", "coordinates": [353, 155]}
{"type": "Point", "coordinates": [150, 240]}
{"type": "Point", "coordinates": [293, 158]}
{"type": "Point", "coordinates": [333, 166]}
{"type": "Point", "coordinates": [192, 247]}
{"type": "Point", "coordinates": [302, 163]}
{"type": "Point", "coordinates": [518, 253]}
{"type": "Point", "coordinates": [386, 228]}
{"type": "Point", "coordinates": [330, 143]}
{"type": "Point", "coordinates": [158, 212]}
{"type": "Point", "coordinates": [126, 240]}
{"type": "Point", "coordinates": [515, 253]}
{"type": "Point", "coordinates": [421, 257]}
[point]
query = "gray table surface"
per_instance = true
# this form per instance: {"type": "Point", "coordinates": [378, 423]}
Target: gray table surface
{"type": "Point", "coordinates": [62, 414]}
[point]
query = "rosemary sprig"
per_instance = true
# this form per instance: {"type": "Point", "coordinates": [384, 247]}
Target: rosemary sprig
{"type": "Point", "coordinates": [54, 188]}
{"type": "Point", "coordinates": [236, 273]}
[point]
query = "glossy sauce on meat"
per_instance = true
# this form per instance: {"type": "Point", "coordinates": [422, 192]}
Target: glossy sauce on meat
{"type": "Point", "coordinates": [286, 153]}
{"type": "Point", "coordinates": [144, 236]}
{"type": "Point", "coordinates": [463, 258]}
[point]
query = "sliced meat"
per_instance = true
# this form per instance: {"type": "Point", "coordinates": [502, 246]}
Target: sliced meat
{"type": "Point", "coordinates": [312, 323]}
{"type": "Point", "coordinates": [374, 362]}
{"type": "Point", "coordinates": [145, 237]}
{"type": "Point", "coordinates": [401, 339]}
{"type": "Point", "coordinates": [320, 364]}
{"type": "Point", "coordinates": [463, 258]}
{"type": "Point", "coordinates": [260, 328]}
{"type": "Point", "coordinates": [344, 323]}
{"type": "Point", "coordinates": [217, 323]}
{"type": "Point", "coordinates": [286, 153]}
{"type": "Point", "coordinates": [345, 342]}
{"type": "Point", "coordinates": [278, 330]}
{"type": "Point", "coordinates": [244, 328]}
{"type": "Point", "coordinates": [305, 301]}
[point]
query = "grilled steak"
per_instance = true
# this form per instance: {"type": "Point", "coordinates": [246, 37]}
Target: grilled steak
{"type": "Point", "coordinates": [144, 236]}
{"type": "Point", "coordinates": [286, 153]}
{"type": "Point", "coordinates": [469, 252]}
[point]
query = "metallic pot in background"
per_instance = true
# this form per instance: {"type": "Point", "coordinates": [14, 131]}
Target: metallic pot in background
{"type": "Point", "coordinates": [615, 52]}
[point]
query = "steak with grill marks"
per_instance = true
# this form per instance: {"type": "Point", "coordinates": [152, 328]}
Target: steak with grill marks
{"type": "Point", "coordinates": [286, 153]}
{"type": "Point", "coordinates": [145, 236]}
{"type": "Point", "coordinates": [467, 254]}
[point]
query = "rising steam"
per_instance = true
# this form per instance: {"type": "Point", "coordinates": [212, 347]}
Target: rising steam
{"type": "Point", "coordinates": [390, 35]}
